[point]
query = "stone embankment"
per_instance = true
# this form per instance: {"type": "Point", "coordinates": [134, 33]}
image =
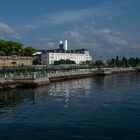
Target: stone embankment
{"type": "Point", "coordinates": [36, 79]}
{"type": "Point", "coordinates": [122, 70]}
{"type": "Point", "coordinates": [53, 77]}
{"type": "Point", "coordinates": [24, 81]}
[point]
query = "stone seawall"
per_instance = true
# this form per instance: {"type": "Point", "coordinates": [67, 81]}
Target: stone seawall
{"type": "Point", "coordinates": [53, 77]}
{"type": "Point", "coordinates": [122, 70]}
{"type": "Point", "coordinates": [36, 79]}
{"type": "Point", "coordinates": [7, 83]}
{"type": "Point", "coordinates": [19, 81]}
{"type": "Point", "coordinates": [24, 83]}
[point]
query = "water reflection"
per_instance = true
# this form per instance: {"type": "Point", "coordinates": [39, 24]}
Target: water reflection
{"type": "Point", "coordinates": [64, 91]}
{"type": "Point", "coordinates": [56, 92]}
{"type": "Point", "coordinates": [11, 103]}
{"type": "Point", "coordinates": [116, 81]}
{"type": "Point", "coordinates": [13, 98]}
{"type": "Point", "coordinates": [95, 108]}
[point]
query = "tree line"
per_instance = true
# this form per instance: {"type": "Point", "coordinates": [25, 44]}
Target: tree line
{"type": "Point", "coordinates": [10, 48]}
{"type": "Point", "coordinates": [115, 62]}
{"type": "Point", "coordinates": [124, 62]}
{"type": "Point", "coordinates": [63, 62]}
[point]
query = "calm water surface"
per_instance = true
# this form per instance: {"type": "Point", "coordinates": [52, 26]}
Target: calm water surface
{"type": "Point", "coordinates": [96, 108]}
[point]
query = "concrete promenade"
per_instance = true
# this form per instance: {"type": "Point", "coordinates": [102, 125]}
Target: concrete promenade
{"type": "Point", "coordinates": [35, 79]}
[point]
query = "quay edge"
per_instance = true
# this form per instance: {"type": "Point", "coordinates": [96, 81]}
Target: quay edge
{"type": "Point", "coordinates": [37, 80]}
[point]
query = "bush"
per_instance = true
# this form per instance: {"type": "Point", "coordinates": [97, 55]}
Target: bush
{"type": "Point", "coordinates": [62, 61]}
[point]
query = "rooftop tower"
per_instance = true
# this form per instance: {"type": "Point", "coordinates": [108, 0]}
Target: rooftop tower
{"type": "Point", "coordinates": [61, 46]}
{"type": "Point", "coordinates": [66, 45]}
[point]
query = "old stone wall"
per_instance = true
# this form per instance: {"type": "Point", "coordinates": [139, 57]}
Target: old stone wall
{"type": "Point", "coordinates": [15, 61]}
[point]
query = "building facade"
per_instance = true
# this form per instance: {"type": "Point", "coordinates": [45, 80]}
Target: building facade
{"type": "Point", "coordinates": [50, 56]}
{"type": "Point", "coordinates": [78, 57]}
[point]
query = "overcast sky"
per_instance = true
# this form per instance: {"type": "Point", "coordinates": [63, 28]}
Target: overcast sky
{"type": "Point", "coordinates": [106, 27]}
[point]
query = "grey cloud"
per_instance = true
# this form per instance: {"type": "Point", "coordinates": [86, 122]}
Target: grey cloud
{"type": "Point", "coordinates": [98, 41]}
{"type": "Point", "coordinates": [69, 16]}
{"type": "Point", "coordinates": [7, 31]}
{"type": "Point", "coordinates": [72, 16]}
{"type": "Point", "coordinates": [58, 18]}
{"type": "Point", "coordinates": [115, 40]}
{"type": "Point", "coordinates": [91, 36]}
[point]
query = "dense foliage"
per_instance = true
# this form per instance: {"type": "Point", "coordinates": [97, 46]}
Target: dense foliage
{"type": "Point", "coordinates": [98, 63]}
{"type": "Point", "coordinates": [115, 62]}
{"type": "Point", "coordinates": [124, 62]}
{"type": "Point", "coordinates": [9, 48]}
{"type": "Point", "coordinates": [62, 61]}
{"type": "Point", "coordinates": [87, 62]}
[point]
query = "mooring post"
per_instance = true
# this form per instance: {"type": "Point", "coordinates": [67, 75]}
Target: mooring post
{"type": "Point", "coordinates": [34, 75]}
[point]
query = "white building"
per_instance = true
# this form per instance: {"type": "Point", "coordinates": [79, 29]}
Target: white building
{"type": "Point", "coordinates": [49, 56]}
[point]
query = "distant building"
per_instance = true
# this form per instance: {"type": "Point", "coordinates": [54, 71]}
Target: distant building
{"type": "Point", "coordinates": [79, 55]}
{"type": "Point", "coordinates": [37, 58]}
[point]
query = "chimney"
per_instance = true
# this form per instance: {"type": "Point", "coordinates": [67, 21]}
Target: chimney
{"type": "Point", "coordinates": [66, 45]}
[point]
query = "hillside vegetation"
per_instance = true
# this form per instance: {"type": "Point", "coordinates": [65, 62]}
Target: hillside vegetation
{"type": "Point", "coordinates": [9, 48]}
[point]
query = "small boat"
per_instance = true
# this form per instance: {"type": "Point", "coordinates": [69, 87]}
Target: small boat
{"type": "Point", "coordinates": [100, 71]}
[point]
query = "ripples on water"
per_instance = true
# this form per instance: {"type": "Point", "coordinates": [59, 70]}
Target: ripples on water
{"type": "Point", "coordinates": [98, 108]}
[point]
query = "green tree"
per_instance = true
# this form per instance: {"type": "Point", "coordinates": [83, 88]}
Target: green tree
{"type": "Point", "coordinates": [15, 48]}
{"type": "Point", "coordinates": [87, 62]}
{"type": "Point", "coordinates": [28, 51]}
{"type": "Point", "coordinates": [2, 53]}
{"type": "Point", "coordinates": [132, 62]}
{"type": "Point", "coordinates": [124, 62]}
{"type": "Point", "coordinates": [99, 63]}
{"type": "Point", "coordinates": [62, 61]}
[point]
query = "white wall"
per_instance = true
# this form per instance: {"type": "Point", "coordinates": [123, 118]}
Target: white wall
{"type": "Point", "coordinates": [49, 58]}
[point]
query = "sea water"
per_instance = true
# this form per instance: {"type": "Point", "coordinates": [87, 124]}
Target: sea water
{"type": "Point", "coordinates": [95, 108]}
